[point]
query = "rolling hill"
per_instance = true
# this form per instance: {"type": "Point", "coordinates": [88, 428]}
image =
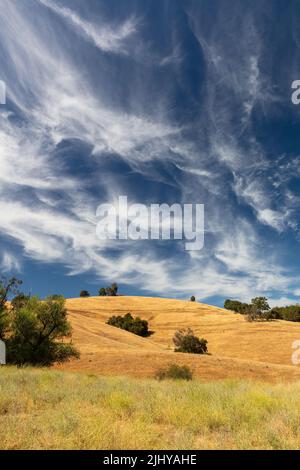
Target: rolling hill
{"type": "Point", "coordinates": [238, 349]}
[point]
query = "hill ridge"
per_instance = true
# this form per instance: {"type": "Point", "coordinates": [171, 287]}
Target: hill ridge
{"type": "Point", "coordinates": [238, 349]}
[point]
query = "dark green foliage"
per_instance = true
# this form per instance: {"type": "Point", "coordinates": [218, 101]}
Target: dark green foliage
{"type": "Point", "coordinates": [84, 293]}
{"type": "Point", "coordinates": [260, 304]}
{"type": "Point", "coordinates": [55, 297]}
{"type": "Point", "coordinates": [133, 325]}
{"type": "Point", "coordinates": [236, 306]}
{"type": "Point", "coordinates": [7, 288]}
{"type": "Point", "coordinates": [174, 372]}
{"type": "Point", "coordinates": [20, 301]}
{"type": "Point", "coordinates": [36, 333]}
{"type": "Point", "coordinates": [259, 310]}
{"type": "Point", "coordinates": [33, 330]}
{"type": "Point", "coordinates": [289, 313]}
{"type": "Point", "coordinates": [193, 298]}
{"type": "Point", "coordinates": [114, 289]}
{"type": "Point", "coordinates": [186, 342]}
{"type": "Point", "coordinates": [111, 291]}
{"type": "Point", "coordinates": [3, 322]}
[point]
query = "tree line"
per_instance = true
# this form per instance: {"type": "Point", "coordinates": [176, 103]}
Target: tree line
{"type": "Point", "coordinates": [110, 291]}
{"type": "Point", "coordinates": [260, 310]}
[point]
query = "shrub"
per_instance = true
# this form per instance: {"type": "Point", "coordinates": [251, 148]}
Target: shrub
{"type": "Point", "coordinates": [185, 341]}
{"type": "Point", "coordinates": [84, 293]}
{"type": "Point", "coordinates": [133, 325]}
{"type": "Point", "coordinates": [174, 372]}
{"type": "Point", "coordinates": [193, 298]}
{"type": "Point", "coordinates": [36, 333]}
{"type": "Point", "coordinates": [102, 291]}
{"type": "Point", "coordinates": [236, 306]}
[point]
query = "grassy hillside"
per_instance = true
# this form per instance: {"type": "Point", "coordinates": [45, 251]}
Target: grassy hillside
{"type": "Point", "coordinates": [46, 409]}
{"type": "Point", "coordinates": [238, 349]}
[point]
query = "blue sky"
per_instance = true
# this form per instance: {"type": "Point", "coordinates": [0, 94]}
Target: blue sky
{"type": "Point", "coordinates": [162, 101]}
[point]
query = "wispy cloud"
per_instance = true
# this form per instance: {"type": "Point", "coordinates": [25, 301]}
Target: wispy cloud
{"type": "Point", "coordinates": [209, 154]}
{"type": "Point", "coordinates": [106, 38]}
{"type": "Point", "coordinates": [10, 263]}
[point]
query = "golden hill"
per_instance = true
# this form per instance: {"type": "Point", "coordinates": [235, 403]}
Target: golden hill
{"type": "Point", "coordinates": [238, 349]}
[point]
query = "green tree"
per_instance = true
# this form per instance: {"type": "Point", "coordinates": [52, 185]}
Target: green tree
{"type": "Point", "coordinates": [259, 309]}
{"type": "Point", "coordinates": [37, 333]}
{"type": "Point", "coordinates": [19, 301]}
{"type": "Point", "coordinates": [7, 287]}
{"type": "Point", "coordinates": [84, 293]}
{"type": "Point", "coordinates": [114, 289]}
{"type": "Point", "coordinates": [288, 313]}
{"type": "Point", "coordinates": [102, 292]}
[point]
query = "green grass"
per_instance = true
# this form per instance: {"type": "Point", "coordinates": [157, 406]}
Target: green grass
{"type": "Point", "coordinates": [46, 409]}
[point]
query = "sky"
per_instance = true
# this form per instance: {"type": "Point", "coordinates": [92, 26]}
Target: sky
{"type": "Point", "coordinates": [165, 101]}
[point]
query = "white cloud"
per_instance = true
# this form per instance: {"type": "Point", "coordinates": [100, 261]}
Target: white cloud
{"type": "Point", "coordinates": [106, 38]}
{"type": "Point", "coordinates": [10, 263]}
{"type": "Point", "coordinates": [51, 214]}
{"type": "Point", "coordinates": [283, 301]}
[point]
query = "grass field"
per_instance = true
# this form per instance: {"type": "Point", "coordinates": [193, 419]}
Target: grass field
{"type": "Point", "coordinates": [239, 349]}
{"type": "Point", "coordinates": [48, 409]}
{"type": "Point", "coordinates": [245, 395]}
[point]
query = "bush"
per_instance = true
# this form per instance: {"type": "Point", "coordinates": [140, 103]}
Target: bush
{"type": "Point", "coordinates": [186, 342]}
{"type": "Point", "coordinates": [102, 292]}
{"type": "Point", "coordinates": [36, 333]}
{"type": "Point", "coordinates": [236, 306]}
{"type": "Point", "coordinates": [193, 298]}
{"type": "Point", "coordinates": [84, 293]}
{"type": "Point", "coordinates": [174, 372]}
{"type": "Point", "coordinates": [133, 325]}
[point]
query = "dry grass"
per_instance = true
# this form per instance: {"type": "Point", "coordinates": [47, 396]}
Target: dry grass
{"type": "Point", "coordinates": [238, 349]}
{"type": "Point", "coordinates": [47, 409]}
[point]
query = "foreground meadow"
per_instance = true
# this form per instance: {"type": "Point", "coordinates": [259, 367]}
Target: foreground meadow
{"type": "Point", "coordinates": [47, 409]}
